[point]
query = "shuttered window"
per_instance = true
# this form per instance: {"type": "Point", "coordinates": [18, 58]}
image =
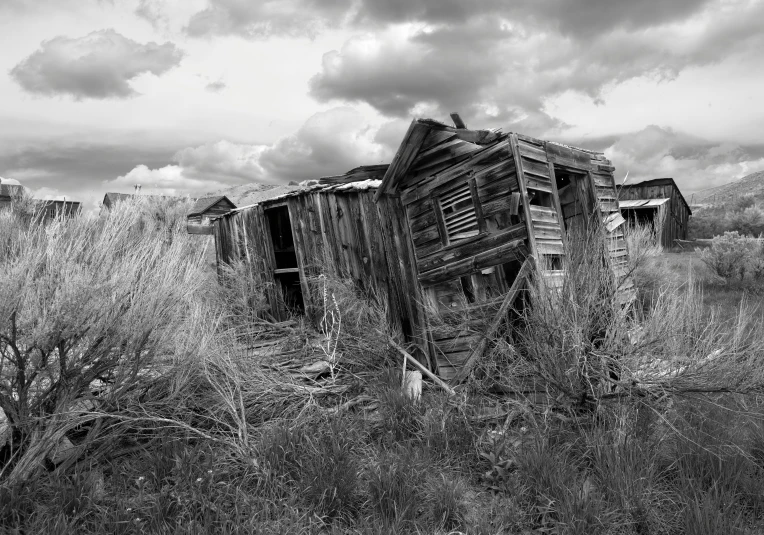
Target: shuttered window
{"type": "Point", "coordinates": [460, 213]}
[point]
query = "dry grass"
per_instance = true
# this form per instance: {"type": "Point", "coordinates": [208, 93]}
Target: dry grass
{"type": "Point", "coordinates": [213, 433]}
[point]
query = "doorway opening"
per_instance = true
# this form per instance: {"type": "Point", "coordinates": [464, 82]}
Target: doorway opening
{"type": "Point", "coordinates": [286, 271]}
{"type": "Point", "coordinates": [576, 200]}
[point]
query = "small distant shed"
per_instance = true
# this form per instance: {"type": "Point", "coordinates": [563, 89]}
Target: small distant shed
{"type": "Point", "coordinates": [111, 199]}
{"type": "Point", "coordinates": [10, 190]}
{"type": "Point", "coordinates": [199, 219]}
{"type": "Point", "coordinates": [51, 209]}
{"type": "Point", "coordinates": [657, 203]}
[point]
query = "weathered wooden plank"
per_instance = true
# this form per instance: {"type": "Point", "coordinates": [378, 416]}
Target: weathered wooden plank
{"type": "Point", "coordinates": [532, 152]}
{"type": "Point", "coordinates": [536, 168]}
{"type": "Point", "coordinates": [560, 154]}
{"type": "Point", "coordinates": [547, 246]}
{"type": "Point", "coordinates": [494, 190]}
{"type": "Point", "coordinates": [505, 252]}
{"type": "Point", "coordinates": [541, 213]}
{"type": "Point", "coordinates": [508, 301]}
{"type": "Point", "coordinates": [444, 178]}
{"type": "Point", "coordinates": [532, 182]}
{"type": "Point", "coordinates": [513, 146]}
{"type": "Point", "coordinates": [462, 250]}
{"type": "Point", "coordinates": [300, 235]}
{"type": "Point", "coordinates": [436, 137]}
{"type": "Point", "coordinates": [403, 157]}
{"type": "Point", "coordinates": [445, 156]}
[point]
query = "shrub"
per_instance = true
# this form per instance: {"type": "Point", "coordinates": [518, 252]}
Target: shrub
{"type": "Point", "coordinates": [733, 255]}
{"type": "Point", "coordinates": [748, 222]}
{"type": "Point", "coordinates": [87, 305]}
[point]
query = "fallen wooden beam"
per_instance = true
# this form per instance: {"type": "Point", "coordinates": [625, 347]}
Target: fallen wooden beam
{"type": "Point", "coordinates": [409, 358]}
{"type": "Point", "coordinates": [458, 123]}
{"type": "Point", "coordinates": [509, 299]}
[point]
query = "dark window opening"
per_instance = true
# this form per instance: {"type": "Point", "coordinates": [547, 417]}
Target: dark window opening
{"type": "Point", "coordinates": [281, 236]}
{"type": "Point", "coordinates": [539, 198]}
{"type": "Point", "coordinates": [468, 289]}
{"type": "Point", "coordinates": [563, 179]}
{"type": "Point", "coordinates": [553, 261]}
{"type": "Point", "coordinates": [511, 269]}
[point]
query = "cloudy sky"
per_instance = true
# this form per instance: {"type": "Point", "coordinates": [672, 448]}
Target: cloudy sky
{"type": "Point", "coordinates": [191, 96]}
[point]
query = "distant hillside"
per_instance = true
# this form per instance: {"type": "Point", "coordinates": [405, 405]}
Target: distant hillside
{"type": "Point", "coordinates": [752, 184]}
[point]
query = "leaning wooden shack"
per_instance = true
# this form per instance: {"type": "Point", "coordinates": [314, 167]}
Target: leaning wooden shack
{"type": "Point", "coordinates": [444, 229]}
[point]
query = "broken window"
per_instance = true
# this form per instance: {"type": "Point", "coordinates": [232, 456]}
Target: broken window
{"type": "Point", "coordinates": [460, 213]}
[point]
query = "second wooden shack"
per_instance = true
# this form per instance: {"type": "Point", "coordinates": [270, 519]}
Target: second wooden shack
{"type": "Point", "coordinates": [657, 203]}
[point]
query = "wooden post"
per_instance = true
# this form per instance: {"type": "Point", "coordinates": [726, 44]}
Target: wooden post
{"type": "Point", "coordinates": [408, 358]}
{"type": "Point", "coordinates": [510, 298]}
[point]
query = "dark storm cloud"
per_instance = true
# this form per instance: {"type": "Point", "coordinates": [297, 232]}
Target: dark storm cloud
{"type": "Point", "coordinates": [73, 166]}
{"type": "Point", "coordinates": [264, 18]}
{"type": "Point", "coordinates": [585, 18]}
{"type": "Point", "coordinates": [99, 65]}
{"type": "Point", "coordinates": [394, 76]}
{"type": "Point", "coordinates": [494, 68]}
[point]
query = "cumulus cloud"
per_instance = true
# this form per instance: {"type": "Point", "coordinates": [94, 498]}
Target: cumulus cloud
{"type": "Point", "coordinates": [265, 18]}
{"type": "Point", "coordinates": [329, 143]}
{"type": "Point", "coordinates": [98, 66]}
{"type": "Point", "coordinates": [695, 163]}
{"type": "Point", "coordinates": [499, 63]}
{"type": "Point", "coordinates": [216, 86]}
{"type": "Point", "coordinates": [197, 170]}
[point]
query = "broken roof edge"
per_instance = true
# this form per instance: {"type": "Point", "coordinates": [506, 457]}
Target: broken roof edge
{"type": "Point", "coordinates": [305, 187]}
{"type": "Point", "coordinates": [629, 204]}
{"type": "Point", "coordinates": [413, 139]}
{"type": "Point", "coordinates": [405, 155]}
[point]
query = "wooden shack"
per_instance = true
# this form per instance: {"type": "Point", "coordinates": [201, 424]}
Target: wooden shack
{"type": "Point", "coordinates": [111, 199]}
{"type": "Point", "coordinates": [445, 231]}
{"type": "Point", "coordinates": [294, 234]}
{"type": "Point", "coordinates": [56, 208]}
{"type": "Point", "coordinates": [10, 191]}
{"type": "Point", "coordinates": [199, 219]}
{"type": "Point", "coordinates": [657, 203]}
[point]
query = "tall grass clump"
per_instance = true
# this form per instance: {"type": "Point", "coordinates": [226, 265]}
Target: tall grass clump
{"type": "Point", "coordinates": [89, 309]}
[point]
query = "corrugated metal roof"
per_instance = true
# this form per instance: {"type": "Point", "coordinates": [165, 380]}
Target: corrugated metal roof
{"type": "Point", "coordinates": [642, 203]}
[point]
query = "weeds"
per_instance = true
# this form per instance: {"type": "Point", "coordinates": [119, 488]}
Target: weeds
{"type": "Point", "coordinates": [649, 421]}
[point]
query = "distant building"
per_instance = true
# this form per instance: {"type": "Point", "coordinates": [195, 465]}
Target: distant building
{"type": "Point", "coordinates": [199, 219]}
{"type": "Point", "coordinates": [51, 209]}
{"type": "Point", "coordinates": [10, 190]}
{"type": "Point", "coordinates": [659, 203]}
{"type": "Point", "coordinates": [111, 199]}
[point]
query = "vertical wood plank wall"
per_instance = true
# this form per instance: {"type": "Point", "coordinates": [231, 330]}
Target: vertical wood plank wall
{"type": "Point", "coordinates": [341, 234]}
